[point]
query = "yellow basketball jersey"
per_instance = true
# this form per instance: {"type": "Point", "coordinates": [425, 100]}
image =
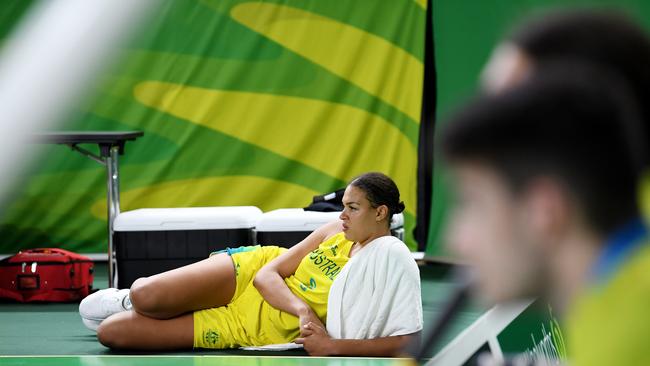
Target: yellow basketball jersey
{"type": "Point", "coordinates": [317, 271]}
{"type": "Point", "coordinates": [311, 283]}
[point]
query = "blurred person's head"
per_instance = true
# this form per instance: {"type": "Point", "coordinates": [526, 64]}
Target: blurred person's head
{"type": "Point", "coordinates": [544, 172]}
{"type": "Point", "coordinates": [605, 37]}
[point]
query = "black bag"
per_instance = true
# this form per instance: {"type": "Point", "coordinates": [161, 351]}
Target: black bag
{"type": "Point", "coordinates": [328, 202]}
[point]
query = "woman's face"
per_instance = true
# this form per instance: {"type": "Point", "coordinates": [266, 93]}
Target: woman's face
{"type": "Point", "coordinates": [360, 219]}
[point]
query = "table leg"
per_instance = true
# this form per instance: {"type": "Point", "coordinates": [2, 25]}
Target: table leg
{"type": "Point", "coordinates": [113, 200]}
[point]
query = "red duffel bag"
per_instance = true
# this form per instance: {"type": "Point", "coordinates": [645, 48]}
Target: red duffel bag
{"type": "Point", "coordinates": [46, 274]}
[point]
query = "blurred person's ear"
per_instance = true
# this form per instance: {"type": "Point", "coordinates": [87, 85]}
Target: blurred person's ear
{"type": "Point", "coordinates": [548, 210]}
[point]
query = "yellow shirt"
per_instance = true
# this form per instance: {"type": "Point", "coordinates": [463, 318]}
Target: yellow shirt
{"type": "Point", "coordinates": [317, 271]}
{"type": "Point", "coordinates": [311, 282]}
{"type": "Point", "coordinates": [610, 324]}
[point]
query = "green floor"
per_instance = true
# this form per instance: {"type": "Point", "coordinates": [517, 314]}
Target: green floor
{"type": "Point", "coordinates": [49, 334]}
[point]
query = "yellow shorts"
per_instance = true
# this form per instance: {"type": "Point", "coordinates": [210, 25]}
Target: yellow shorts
{"type": "Point", "coordinates": [248, 319]}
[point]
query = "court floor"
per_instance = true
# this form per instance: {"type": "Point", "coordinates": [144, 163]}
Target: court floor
{"type": "Point", "coordinates": [175, 360]}
{"type": "Point", "coordinates": [52, 334]}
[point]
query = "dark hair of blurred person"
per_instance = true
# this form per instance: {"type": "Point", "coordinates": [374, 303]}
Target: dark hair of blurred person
{"type": "Point", "coordinates": [603, 36]}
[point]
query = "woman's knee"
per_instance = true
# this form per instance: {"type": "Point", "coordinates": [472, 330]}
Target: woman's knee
{"type": "Point", "coordinates": [144, 295]}
{"type": "Point", "coordinates": [112, 333]}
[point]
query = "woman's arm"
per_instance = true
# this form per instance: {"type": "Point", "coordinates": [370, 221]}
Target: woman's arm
{"type": "Point", "coordinates": [318, 343]}
{"type": "Point", "coordinates": [269, 280]}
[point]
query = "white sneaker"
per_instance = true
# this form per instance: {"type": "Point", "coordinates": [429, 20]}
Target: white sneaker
{"type": "Point", "coordinates": [102, 304]}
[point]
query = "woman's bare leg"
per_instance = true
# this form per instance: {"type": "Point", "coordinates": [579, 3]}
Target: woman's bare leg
{"type": "Point", "coordinates": [130, 330]}
{"type": "Point", "coordinates": [206, 284]}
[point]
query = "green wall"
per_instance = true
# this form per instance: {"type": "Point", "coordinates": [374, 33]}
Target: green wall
{"type": "Point", "coordinates": [465, 33]}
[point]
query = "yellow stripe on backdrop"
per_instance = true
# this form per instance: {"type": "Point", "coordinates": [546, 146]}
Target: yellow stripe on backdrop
{"type": "Point", "coordinates": [337, 139]}
{"type": "Point", "coordinates": [321, 38]}
{"type": "Point", "coordinates": [421, 3]}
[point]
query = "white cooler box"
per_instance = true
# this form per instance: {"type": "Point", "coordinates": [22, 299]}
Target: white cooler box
{"type": "Point", "coordinates": [153, 240]}
{"type": "Point", "coordinates": [288, 226]}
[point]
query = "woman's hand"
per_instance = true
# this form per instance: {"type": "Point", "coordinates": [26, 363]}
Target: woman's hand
{"type": "Point", "coordinates": [318, 343]}
{"type": "Point", "coordinates": [306, 317]}
{"type": "Point", "coordinates": [315, 339]}
{"type": "Point", "coordinates": [269, 280]}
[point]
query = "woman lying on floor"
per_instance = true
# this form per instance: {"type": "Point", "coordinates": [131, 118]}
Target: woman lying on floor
{"type": "Point", "coordinates": [252, 296]}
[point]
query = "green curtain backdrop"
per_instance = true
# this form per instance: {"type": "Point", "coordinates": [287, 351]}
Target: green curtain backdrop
{"type": "Point", "coordinates": [242, 103]}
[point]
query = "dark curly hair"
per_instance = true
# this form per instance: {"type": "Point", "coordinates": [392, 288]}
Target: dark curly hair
{"type": "Point", "coordinates": [380, 190]}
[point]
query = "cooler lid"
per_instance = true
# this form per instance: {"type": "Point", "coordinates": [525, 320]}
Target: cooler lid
{"type": "Point", "coordinates": [297, 219]}
{"type": "Point", "coordinates": [294, 219]}
{"type": "Point", "coordinates": [187, 218]}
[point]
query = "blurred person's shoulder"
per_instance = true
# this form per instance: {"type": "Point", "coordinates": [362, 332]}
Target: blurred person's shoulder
{"type": "Point", "coordinates": [610, 323]}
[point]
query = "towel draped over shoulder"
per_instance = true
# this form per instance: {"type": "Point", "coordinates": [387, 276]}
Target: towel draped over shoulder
{"type": "Point", "coordinates": [376, 294]}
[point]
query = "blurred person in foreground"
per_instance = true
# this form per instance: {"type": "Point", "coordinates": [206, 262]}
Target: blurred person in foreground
{"type": "Point", "coordinates": [546, 175]}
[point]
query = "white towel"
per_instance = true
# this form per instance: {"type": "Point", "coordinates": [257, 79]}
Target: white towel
{"type": "Point", "coordinates": [377, 294]}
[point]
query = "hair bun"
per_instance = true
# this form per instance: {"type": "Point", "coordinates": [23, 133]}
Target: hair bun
{"type": "Point", "coordinates": [400, 207]}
